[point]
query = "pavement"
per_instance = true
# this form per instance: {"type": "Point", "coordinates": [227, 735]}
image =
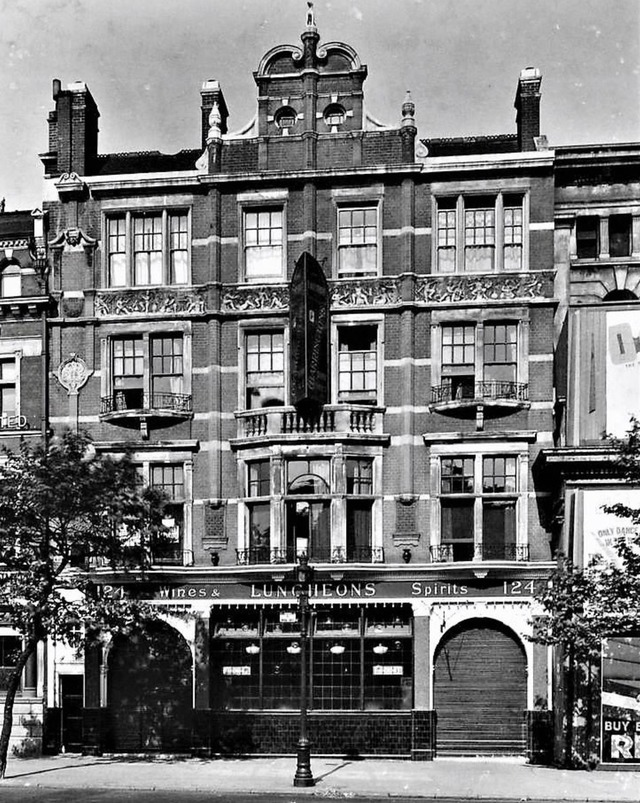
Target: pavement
{"type": "Point", "coordinates": [475, 778]}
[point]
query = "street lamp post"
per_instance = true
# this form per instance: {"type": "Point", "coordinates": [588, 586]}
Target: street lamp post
{"type": "Point", "coordinates": [304, 573]}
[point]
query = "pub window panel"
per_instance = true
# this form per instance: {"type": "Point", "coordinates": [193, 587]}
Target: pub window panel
{"type": "Point", "coordinates": [336, 667]}
{"type": "Point", "coordinates": [513, 233]}
{"type": "Point", "coordinates": [10, 648]}
{"type": "Point", "coordinates": [8, 390]}
{"type": "Point", "coordinates": [236, 682]}
{"type": "Point", "coordinates": [358, 241]}
{"type": "Point", "coordinates": [458, 360]}
{"type": "Point", "coordinates": [587, 237]}
{"type": "Point", "coordinates": [263, 243]}
{"type": "Point", "coordinates": [264, 381]}
{"type": "Point", "coordinates": [357, 364]}
{"type": "Point", "coordinates": [620, 235]}
{"type": "Point", "coordinates": [281, 673]}
{"type": "Point", "coordinates": [388, 674]}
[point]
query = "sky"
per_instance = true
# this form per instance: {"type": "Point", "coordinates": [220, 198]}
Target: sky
{"type": "Point", "coordinates": [145, 61]}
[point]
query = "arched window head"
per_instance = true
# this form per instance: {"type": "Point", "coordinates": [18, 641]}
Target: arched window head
{"type": "Point", "coordinates": [620, 295]}
{"type": "Point", "coordinates": [10, 285]}
{"type": "Point", "coordinates": [286, 118]}
{"type": "Point", "coordinates": [334, 116]}
{"type": "Point", "coordinates": [308, 484]}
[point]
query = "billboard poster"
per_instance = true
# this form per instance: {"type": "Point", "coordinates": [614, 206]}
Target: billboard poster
{"type": "Point", "coordinates": [622, 370]}
{"type": "Point", "coordinates": [602, 530]}
{"type": "Point", "coordinates": [620, 743]}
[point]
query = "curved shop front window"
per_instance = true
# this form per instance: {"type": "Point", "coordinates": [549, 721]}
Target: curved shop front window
{"type": "Point", "coordinates": [359, 659]}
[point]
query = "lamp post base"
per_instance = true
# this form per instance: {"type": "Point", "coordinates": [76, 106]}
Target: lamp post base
{"type": "Point", "coordinates": [303, 776]}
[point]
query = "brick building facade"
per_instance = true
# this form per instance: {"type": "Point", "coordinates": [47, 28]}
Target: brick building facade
{"type": "Point", "coordinates": [412, 487]}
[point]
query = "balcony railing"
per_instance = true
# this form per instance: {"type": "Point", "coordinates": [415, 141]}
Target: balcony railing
{"type": "Point", "coordinates": [266, 555]}
{"type": "Point", "coordinates": [128, 402]}
{"type": "Point", "coordinates": [334, 419]}
{"type": "Point", "coordinates": [489, 390]}
{"type": "Point", "coordinates": [461, 551]}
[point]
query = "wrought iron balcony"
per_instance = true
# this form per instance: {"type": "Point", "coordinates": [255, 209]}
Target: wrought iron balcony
{"type": "Point", "coordinates": [472, 393]}
{"type": "Point", "coordinates": [284, 422]}
{"type": "Point", "coordinates": [266, 555]}
{"type": "Point", "coordinates": [136, 404]}
{"type": "Point", "coordinates": [171, 555]}
{"type": "Point", "coordinates": [462, 551]}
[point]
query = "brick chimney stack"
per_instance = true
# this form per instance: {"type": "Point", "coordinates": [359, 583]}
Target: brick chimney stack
{"type": "Point", "coordinates": [527, 104]}
{"type": "Point", "coordinates": [73, 130]}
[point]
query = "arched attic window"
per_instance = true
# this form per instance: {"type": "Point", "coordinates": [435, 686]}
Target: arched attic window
{"type": "Point", "coordinates": [620, 295]}
{"type": "Point", "coordinates": [10, 284]}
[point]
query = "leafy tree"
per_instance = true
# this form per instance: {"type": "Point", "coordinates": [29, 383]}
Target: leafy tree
{"type": "Point", "coordinates": [584, 605]}
{"type": "Point", "coordinates": [65, 508]}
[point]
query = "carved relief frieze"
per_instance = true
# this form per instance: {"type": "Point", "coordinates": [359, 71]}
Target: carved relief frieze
{"type": "Point", "coordinates": [450, 289]}
{"type": "Point", "coordinates": [365, 293]}
{"type": "Point", "coordinates": [244, 299]}
{"type": "Point", "coordinates": [148, 302]}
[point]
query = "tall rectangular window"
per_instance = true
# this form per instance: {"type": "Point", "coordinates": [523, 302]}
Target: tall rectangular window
{"type": "Point", "coordinates": [479, 234]}
{"type": "Point", "coordinates": [263, 243]}
{"type": "Point", "coordinates": [167, 367]}
{"type": "Point", "coordinates": [620, 236]}
{"type": "Point", "coordinates": [147, 248]}
{"type": "Point", "coordinates": [457, 507]}
{"type": "Point", "coordinates": [128, 373]}
{"type": "Point", "coordinates": [358, 241]}
{"type": "Point", "coordinates": [258, 512]}
{"type": "Point", "coordinates": [513, 233]}
{"type": "Point", "coordinates": [588, 237]}
{"type": "Point", "coordinates": [458, 360]}
{"type": "Point", "coordinates": [8, 394]}
{"type": "Point", "coordinates": [358, 364]}
{"type": "Point", "coordinates": [500, 352]}
{"type": "Point", "coordinates": [359, 509]}
{"type": "Point", "coordinates": [264, 366]}
{"type": "Point", "coordinates": [447, 235]}
{"type": "Point", "coordinates": [169, 480]}
{"type": "Point", "coordinates": [499, 486]}
{"type": "Point", "coordinates": [10, 649]}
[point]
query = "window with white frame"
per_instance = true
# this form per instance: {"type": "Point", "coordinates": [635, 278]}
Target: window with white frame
{"type": "Point", "coordinates": [168, 479]}
{"type": "Point", "coordinates": [359, 501]}
{"type": "Point", "coordinates": [479, 233]}
{"type": "Point", "coordinates": [147, 372]}
{"type": "Point", "coordinates": [478, 508]}
{"type": "Point", "coordinates": [8, 388]}
{"type": "Point", "coordinates": [358, 236]}
{"type": "Point", "coordinates": [479, 360]}
{"type": "Point", "coordinates": [147, 248]}
{"type": "Point", "coordinates": [258, 512]}
{"type": "Point", "coordinates": [358, 363]}
{"type": "Point", "coordinates": [264, 368]}
{"type": "Point", "coordinates": [263, 242]}
{"type": "Point", "coordinates": [10, 280]}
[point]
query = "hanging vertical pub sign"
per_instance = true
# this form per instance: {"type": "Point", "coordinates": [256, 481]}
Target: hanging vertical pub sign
{"type": "Point", "coordinates": [308, 337]}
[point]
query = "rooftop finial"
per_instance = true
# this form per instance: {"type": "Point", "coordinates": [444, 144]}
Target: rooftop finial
{"type": "Point", "coordinates": [311, 17]}
{"type": "Point", "coordinates": [408, 110]}
{"type": "Point", "coordinates": [215, 123]}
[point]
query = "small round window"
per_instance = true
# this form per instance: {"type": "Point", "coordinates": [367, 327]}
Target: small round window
{"type": "Point", "coordinates": [334, 115]}
{"type": "Point", "coordinates": [286, 117]}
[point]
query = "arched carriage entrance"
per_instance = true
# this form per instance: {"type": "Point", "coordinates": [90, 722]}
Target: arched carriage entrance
{"type": "Point", "coordinates": [149, 691]}
{"type": "Point", "coordinates": [480, 690]}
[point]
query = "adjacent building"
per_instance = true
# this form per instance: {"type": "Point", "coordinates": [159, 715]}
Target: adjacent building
{"type": "Point", "coordinates": [24, 305]}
